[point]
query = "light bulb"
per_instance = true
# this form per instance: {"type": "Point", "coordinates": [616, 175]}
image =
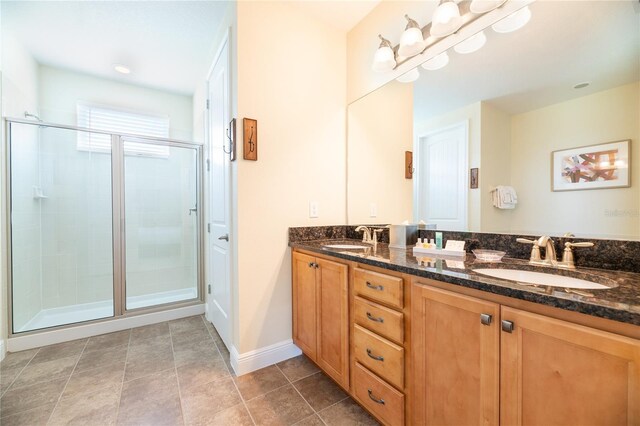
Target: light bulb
{"type": "Point", "coordinates": [472, 44]}
{"type": "Point", "coordinates": [446, 19]}
{"type": "Point", "coordinates": [409, 76]}
{"type": "Point", "coordinates": [513, 22]}
{"type": "Point", "coordinates": [484, 6]}
{"type": "Point", "coordinates": [384, 58]}
{"type": "Point", "coordinates": [411, 41]}
{"type": "Point", "coordinates": [437, 62]}
{"type": "Point", "coordinates": [122, 69]}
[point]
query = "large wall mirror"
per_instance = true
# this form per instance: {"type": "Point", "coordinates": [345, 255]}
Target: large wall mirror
{"type": "Point", "coordinates": [551, 110]}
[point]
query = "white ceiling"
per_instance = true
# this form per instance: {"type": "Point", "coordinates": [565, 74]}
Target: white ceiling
{"type": "Point", "coordinates": [167, 44]}
{"type": "Point", "coordinates": [342, 15]}
{"type": "Point", "coordinates": [565, 43]}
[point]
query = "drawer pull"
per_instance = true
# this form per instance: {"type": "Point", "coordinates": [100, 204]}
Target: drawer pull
{"type": "Point", "coordinates": [374, 399]}
{"type": "Point", "coordinates": [376, 357]}
{"type": "Point", "coordinates": [375, 287]}
{"type": "Point", "coordinates": [372, 318]}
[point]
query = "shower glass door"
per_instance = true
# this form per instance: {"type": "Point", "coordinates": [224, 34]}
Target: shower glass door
{"type": "Point", "coordinates": [61, 227]}
{"type": "Point", "coordinates": [161, 223]}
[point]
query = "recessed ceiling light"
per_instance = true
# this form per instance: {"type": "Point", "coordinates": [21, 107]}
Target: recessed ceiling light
{"type": "Point", "coordinates": [581, 85]}
{"type": "Point", "coordinates": [122, 69]}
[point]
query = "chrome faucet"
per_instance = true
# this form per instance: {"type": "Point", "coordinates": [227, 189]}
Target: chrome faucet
{"type": "Point", "coordinates": [366, 234]}
{"type": "Point", "coordinates": [550, 258]}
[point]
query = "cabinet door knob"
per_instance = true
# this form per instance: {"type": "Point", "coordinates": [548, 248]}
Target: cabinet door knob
{"type": "Point", "coordinates": [311, 264]}
{"type": "Point", "coordinates": [375, 287]}
{"type": "Point", "coordinates": [374, 399]}
{"type": "Point", "coordinates": [376, 319]}
{"type": "Point", "coordinates": [508, 326]}
{"type": "Point", "coordinates": [485, 319]}
{"type": "Point", "coordinates": [372, 356]}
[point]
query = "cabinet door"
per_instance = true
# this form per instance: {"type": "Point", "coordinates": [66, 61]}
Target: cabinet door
{"type": "Point", "coordinates": [305, 304]}
{"type": "Point", "coordinates": [455, 358]}
{"type": "Point", "coordinates": [333, 320]}
{"type": "Point", "coordinates": [558, 373]}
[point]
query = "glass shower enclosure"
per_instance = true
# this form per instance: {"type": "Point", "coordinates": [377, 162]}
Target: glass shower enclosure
{"type": "Point", "coordinates": [100, 225]}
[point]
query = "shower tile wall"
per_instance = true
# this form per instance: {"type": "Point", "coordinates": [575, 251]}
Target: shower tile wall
{"type": "Point", "coordinates": [26, 226]}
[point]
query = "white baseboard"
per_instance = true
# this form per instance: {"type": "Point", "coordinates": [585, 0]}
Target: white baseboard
{"type": "Point", "coordinates": [3, 351]}
{"type": "Point", "coordinates": [263, 357]}
{"type": "Point", "coordinates": [36, 340]}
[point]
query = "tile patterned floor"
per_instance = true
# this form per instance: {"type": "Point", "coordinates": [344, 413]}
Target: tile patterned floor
{"type": "Point", "coordinates": [173, 373]}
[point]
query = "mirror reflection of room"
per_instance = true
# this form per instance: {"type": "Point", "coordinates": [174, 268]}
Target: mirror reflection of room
{"type": "Point", "coordinates": [564, 91]}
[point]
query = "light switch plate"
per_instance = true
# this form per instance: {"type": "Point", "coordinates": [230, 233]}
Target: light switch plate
{"type": "Point", "coordinates": [313, 209]}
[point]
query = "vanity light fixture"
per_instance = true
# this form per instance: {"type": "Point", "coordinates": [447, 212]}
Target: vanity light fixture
{"type": "Point", "coordinates": [446, 19]}
{"type": "Point", "coordinates": [472, 44]}
{"type": "Point", "coordinates": [484, 6]}
{"type": "Point", "coordinates": [384, 58]}
{"type": "Point", "coordinates": [410, 76]}
{"type": "Point", "coordinates": [411, 41]}
{"type": "Point", "coordinates": [513, 22]}
{"type": "Point", "coordinates": [437, 62]}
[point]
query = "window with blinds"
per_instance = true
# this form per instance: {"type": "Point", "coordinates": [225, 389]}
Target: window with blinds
{"type": "Point", "coordinates": [118, 121]}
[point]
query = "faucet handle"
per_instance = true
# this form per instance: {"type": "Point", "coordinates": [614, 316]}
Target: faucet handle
{"type": "Point", "coordinates": [567, 255]}
{"type": "Point", "coordinates": [535, 249]}
{"type": "Point", "coordinates": [578, 245]}
{"type": "Point", "coordinates": [525, 241]}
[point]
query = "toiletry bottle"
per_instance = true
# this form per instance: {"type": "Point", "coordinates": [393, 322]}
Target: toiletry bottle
{"type": "Point", "coordinates": [439, 240]}
{"type": "Point", "coordinates": [419, 243]}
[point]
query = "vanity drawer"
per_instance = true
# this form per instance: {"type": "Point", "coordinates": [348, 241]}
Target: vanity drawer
{"type": "Point", "coordinates": [380, 287]}
{"type": "Point", "coordinates": [378, 397]}
{"type": "Point", "coordinates": [379, 355]}
{"type": "Point", "coordinates": [384, 321]}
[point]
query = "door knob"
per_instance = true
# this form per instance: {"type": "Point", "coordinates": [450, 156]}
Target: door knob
{"type": "Point", "coordinates": [224, 237]}
{"type": "Point", "coordinates": [508, 326]}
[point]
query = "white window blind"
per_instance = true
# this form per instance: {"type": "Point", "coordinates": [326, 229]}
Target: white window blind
{"type": "Point", "coordinates": [118, 121]}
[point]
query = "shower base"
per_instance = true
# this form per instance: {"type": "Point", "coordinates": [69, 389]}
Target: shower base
{"type": "Point", "coordinates": [104, 309]}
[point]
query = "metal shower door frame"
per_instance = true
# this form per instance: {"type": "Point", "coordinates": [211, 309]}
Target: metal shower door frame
{"type": "Point", "coordinates": [118, 221]}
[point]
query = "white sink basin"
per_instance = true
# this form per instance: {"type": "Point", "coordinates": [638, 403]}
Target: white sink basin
{"type": "Point", "coordinates": [345, 246]}
{"type": "Point", "coordinates": [540, 278]}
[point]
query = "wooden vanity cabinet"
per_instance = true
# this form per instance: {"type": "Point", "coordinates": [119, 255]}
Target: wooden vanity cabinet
{"type": "Point", "coordinates": [321, 313]}
{"type": "Point", "coordinates": [516, 368]}
{"type": "Point", "coordinates": [557, 372]}
{"type": "Point", "coordinates": [456, 371]}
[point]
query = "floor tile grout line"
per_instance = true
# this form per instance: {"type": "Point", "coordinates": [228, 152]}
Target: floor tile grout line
{"type": "Point", "coordinates": [18, 375]}
{"type": "Point", "coordinates": [296, 389]}
{"type": "Point", "coordinates": [67, 383]}
{"type": "Point", "coordinates": [175, 369]}
{"type": "Point", "coordinates": [244, 403]}
{"type": "Point", "coordinates": [124, 372]}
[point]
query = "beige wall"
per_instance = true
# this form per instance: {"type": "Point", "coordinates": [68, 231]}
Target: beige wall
{"type": "Point", "coordinates": [380, 131]}
{"type": "Point", "coordinates": [495, 166]}
{"type": "Point", "coordinates": [469, 114]}
{"type": "Point", "coordinates": [294, 83]}
{"type": "Point", "coordinates": [605, 116]}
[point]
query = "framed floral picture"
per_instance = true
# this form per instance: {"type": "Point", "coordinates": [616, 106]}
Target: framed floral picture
{"type": "Point", "coordinates": [602, 166]}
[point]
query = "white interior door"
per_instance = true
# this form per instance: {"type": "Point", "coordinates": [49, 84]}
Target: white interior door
{"type": "Point", "coordinates": [442, 178]}
{"type": "Point", "coordinates": [219, 297]}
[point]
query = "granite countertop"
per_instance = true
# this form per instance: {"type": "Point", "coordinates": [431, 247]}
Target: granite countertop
{"type": "Point", "coordinates": [620, 302]}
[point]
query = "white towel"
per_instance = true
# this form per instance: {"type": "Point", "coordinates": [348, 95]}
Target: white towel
{"type": "Point", "coordinates": [504, 197]}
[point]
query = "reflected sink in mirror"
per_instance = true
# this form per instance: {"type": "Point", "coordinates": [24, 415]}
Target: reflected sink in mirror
{"type": "Point", "coordinates": [542, 279]}
{"type": "Point", "coordinates": [346, 246]}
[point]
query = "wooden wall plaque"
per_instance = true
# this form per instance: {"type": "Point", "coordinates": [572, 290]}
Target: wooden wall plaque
{"type": "Point", "coordinates": [250, 133]}
{"type": "Point", "coordinates": [408, 165]}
